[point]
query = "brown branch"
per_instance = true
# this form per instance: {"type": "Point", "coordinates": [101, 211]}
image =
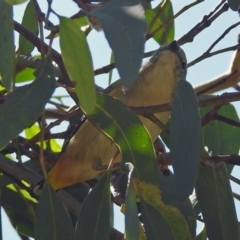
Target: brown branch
{"type": "Point", "coordinates": [165, 159]}
{"type": "Point", "coordinates": [208, 55]}
{"type": "Point", "coordinates": [234, 179]}
{"type": "Point", "coordinates": [54, 113]}
{"type": "Point", "coordinates": [36, 138]}
{"type": "Point", "coordinates": [222, 99]}
{"type": "Point", "coordinates": [227, 120]}
{"type": "Point", "coordinates": [206, 22]}
{"type": "Point", "coordinates": [158, 123]}
{"type": "Point", "coordinates": [222, 36]}
{"type": "Point", "coordinates": [211, 115]}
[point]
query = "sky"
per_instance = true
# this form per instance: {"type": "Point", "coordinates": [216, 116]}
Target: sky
{"type": "Point", "coordinates": [199, 73]}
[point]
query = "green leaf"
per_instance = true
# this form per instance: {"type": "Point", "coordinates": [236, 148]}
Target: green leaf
{"type": "Point", "coordinates": [78, 62]}
{"type": "Point", "coordinates": [221, 138]}
{"type": "Point", "coordinates": [124, 27]}
{"type": "Point", "coordinates": [52, 219]}
{"type": "Point", "coordinates": [82, 21]}
{"type": "Point", "coordinates": [129, 135]}
{"type": "Point", "coordinates": [94, 219]}
{"type": "Point", "coordinates": [25, 75]}
{"type": "Point", "coordinates": [20, 211]}
{"type": "Point", "coordinates": [169, 196]}
{"type": "Point", "coordinates": [216, 202]}
{"type": "Point", "coordinates": [234, 4]}
{"type": "Point", "coordinates": [22, 106]}
{"type": "Point", "coordinates": [166, 34]}
{"type": "Point", "coordinates": [159, 218]}
{"type": "Point", "coordinates": [79, 191]}
{"type": "Point", "coordinates": [30, 22]}
{"type": "Point", "coordinates": [15, 2]}
{"type": "Point", "coordinates": [185, 129]}
{"type": "Point", "coordinates": [132, 225]}
{"type": "Point", "coordinates": [6, 45]}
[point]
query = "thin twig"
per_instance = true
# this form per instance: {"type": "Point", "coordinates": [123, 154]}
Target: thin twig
{"type": "Point", "coordinates": [211, 115]}
{"type": "Point", "coordinates": [227, 120]}
{"type": "Point", "coordinates": [234, 159]}
{"type": "Point", "coordinates": [234, 179]}
{"type": "Point", "coordinates": [222, 99]}
{"type": "Point", "coordinates": [204, 55]}
{"type": "Point", "coordinates": [222, 36]}
{"type": "Point", "coordinates": [207, 53]}
{"type": "Point", "coordinates": [36, 138]}
{"type": "Point", "coordinates": [206, 22]}
{"type": "Point", "coordinates": [158, 123]}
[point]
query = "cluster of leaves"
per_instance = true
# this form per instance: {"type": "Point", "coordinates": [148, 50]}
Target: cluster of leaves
{"type": "Point", "coordinates": [167, 212]}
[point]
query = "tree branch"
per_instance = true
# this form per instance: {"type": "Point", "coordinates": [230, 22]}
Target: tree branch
{"type": "Point", "coordinates": [165, 159]}
{"type": "Point", "coordinates": [222, 99]}
{"type": "Point", "coordinates": [208, 55]}
{"type": "Point", "coordinates": [206, 22]}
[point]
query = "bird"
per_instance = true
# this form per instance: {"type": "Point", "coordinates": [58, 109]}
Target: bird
{"type": "Point", "coordinates": [89, 148]}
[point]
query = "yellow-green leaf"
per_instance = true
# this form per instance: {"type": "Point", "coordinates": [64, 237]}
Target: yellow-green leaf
{"type": "Point", "coordinates": [78, 62]}
{"type": "Point", "coordinates": [171, 223]}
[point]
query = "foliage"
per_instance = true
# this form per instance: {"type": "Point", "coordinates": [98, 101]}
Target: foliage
{"type": "Point", "coordinates": [202, 134]}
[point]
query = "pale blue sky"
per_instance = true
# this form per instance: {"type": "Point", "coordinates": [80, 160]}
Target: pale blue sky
{"type": "Point", "coordinates": [203, 71]}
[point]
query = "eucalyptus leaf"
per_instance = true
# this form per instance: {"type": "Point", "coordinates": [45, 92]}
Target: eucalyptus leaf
{"type": "Point", "coordinates": [185, 128]}
{"type": "Point", "coordinates": [129, 135]}
{"type": "Point", "coordinates": [132, 225]}
{"type": "Point", "coordinates": [78, 62]}
{"type": "Point", "coordinates": [124, 26]}
{"type": "Point", "coordinates": [221, 138]}
{"type": "Point", "coordinates": [6, 45]}
{"type": "Point", "coordinates": [22, 106]}
{"type": "Point", "coordinates": [166, 34]}
{"type": "Point", "coordinates": [94, 219]}
{"type": "Point", "coordinates": [30, 22]}
{"type": "Point", "coordinates": [52, 219]}
{"type": "Point", "coordinates": [216, 202]}
{"type": "Point", "coordinates": [25, 75]}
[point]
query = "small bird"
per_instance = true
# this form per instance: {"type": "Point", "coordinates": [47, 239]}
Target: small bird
{"type": "Point", "coordinates": [89, 148]}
